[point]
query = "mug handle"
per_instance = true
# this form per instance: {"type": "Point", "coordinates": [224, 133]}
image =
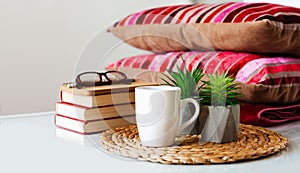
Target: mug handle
{"type": "Point", "coordinates": [194, 117]}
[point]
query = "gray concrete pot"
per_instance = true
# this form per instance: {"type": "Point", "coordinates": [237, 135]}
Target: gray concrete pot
{"type": "Point", "coordinates": [220, 123]}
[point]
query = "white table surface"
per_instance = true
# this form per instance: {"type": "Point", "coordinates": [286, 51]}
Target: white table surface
{"type": "Point", "coordinates": [33, 144]}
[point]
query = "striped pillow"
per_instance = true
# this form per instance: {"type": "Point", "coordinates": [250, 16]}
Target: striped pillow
{"type": "Point", "coordinates": [263, 79]}
{"type": "Point", "coordinates": [233, 26]}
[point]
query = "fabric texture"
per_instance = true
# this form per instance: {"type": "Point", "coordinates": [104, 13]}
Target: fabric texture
{"type": "Point", "coordinates": [268, 115]}
{"type": "Point", "coordinates": [263, 79]}
{"type": "Point", "coordinates": [234, 26]}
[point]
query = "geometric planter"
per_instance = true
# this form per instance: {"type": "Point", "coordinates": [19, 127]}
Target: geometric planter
{"type": "Point", "coordinates": [219, 124]}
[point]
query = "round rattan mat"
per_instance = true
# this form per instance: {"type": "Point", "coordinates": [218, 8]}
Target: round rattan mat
{"type": "Point", "coordinates": [253, 142]}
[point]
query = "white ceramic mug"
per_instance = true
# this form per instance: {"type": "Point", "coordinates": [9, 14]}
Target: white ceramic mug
{"type": "Point", "coordinates": [158, 114]}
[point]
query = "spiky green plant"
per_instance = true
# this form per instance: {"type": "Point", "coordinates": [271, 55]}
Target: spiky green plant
{"type": "Point", "coordinates": [219, 90]}
{"type": "Point", "coordinates": [186, 80]}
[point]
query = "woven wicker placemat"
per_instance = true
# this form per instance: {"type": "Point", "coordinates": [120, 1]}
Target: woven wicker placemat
{"type": "Point", "coordinates": [253, 142]}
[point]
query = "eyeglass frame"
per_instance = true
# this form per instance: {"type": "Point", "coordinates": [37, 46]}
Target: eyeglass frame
{"type": "Point", "coordinates": [80, 84]}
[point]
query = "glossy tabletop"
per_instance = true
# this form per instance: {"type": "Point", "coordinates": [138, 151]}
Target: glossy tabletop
{"type": "Point", "coordinates": [32, 143]}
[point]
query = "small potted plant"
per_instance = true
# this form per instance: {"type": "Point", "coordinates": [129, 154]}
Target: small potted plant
{"type": "Point", "coordinates": [220, 123]}
{"type": "Point", "coordinates": [188, 82]}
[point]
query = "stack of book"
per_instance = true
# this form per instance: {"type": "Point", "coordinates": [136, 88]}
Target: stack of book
{"type": "Point", "coordinates": [95, 109]}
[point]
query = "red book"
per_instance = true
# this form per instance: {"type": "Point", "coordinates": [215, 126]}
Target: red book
{"type": "Point", "coordinates": [95, 113]}
{"type": "Point", "coordinates": [91, 127]}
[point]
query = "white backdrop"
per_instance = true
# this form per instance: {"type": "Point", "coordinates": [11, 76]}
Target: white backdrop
{"type": "Point", "coordinates": [41, 41]}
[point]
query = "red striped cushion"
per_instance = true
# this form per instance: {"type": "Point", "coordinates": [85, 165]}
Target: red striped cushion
{"type": "Point", "coordinates": [264, 79]}
{"type": "Point", "coordinates": [232, 12]}
{"type": "Point", "coordinates": [271, 71]}
{"type": "Point", "coordinates": [233, 26]}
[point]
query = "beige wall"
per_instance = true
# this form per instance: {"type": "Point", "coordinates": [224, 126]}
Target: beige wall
{"type": "Point", "coordinates": [41, 40]}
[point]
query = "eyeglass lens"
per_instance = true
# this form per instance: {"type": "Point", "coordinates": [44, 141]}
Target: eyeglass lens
{"type": "Point", "coordinates": [115, 76]}
{"type": "Point", "coordinates": [90, 77]}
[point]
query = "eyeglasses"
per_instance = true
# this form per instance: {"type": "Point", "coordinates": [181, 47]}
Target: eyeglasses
{"type": "Point", "coordinates": [91, 78]}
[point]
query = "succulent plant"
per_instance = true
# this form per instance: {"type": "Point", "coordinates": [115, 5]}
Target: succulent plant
{"type": "Point", "coordinates": [219, 90]}
{"type": "Point", "coordinates": [186, 80]}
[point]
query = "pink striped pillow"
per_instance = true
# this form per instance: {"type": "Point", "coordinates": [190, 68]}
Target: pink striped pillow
{"type": "Point", "coordinates": [263, 79]}
{"type": "Point", "coordinates": [233, 26]}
